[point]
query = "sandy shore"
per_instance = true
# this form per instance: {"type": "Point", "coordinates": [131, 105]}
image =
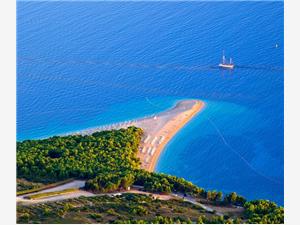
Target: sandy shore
{"type": "Point", "coordinates": [158, 129]}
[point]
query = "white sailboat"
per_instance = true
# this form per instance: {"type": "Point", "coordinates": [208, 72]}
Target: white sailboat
{"type": "Point", "coordinates": [226, 65]}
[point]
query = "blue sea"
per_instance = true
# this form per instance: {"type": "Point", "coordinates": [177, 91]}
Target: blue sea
{"type": "Point", "coordinates": [84, 64]}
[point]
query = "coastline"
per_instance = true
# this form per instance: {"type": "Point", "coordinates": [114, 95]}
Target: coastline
{"type": "Point", "coordinates": [158, 129]}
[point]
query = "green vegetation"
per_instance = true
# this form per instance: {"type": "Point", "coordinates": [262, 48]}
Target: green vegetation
{"type": "Point", "coordinates": [234, 199]}
{"type": "Point", "coordinates": [108, 161]}
{"type": "Point", "coordinates": [127, 208]}
{"type": "Point", "coordinates": [78, 156]}
{"type": "Point", "coordinates": [42, 187]}
{"type": "Point", "coordinates": [263, 211]}
{"type": "Point", "coordinates": [110, 182]}
{"type": "Point", "coordinates": [162, 183]}
{"type": "Point", "coordinates": [23, 185]}
{"type": "Point", "coordinates": [51, 194]}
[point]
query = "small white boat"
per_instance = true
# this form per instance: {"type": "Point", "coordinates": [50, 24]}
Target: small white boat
{"type": "Point", "coordinates": [226, 65]}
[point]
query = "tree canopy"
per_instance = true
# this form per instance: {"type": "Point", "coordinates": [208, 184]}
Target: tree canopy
{"type": "Point", "coordinates": [108, 161]}
{"type": "Point", "coordinates": [264, 211]}
{"type": "Point", "coordinates": [78, 156]}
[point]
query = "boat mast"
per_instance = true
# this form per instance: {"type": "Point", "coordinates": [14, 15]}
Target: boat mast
{"type": "Point", "coordinates": [230, 61]}
{"type": "Point", "coordinates": [223, 58]}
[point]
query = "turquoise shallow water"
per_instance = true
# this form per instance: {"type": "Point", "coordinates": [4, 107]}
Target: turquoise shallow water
{"type": "Point", "coordinates": [85, 64]}
{"type": "Point", "coordinates": [222, 139]}
{"type": "Point", "coordinates": [113, 113]}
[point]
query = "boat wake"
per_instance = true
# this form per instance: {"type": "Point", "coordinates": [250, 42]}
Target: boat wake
{"type": "Point", "coordinates": [147, 66]}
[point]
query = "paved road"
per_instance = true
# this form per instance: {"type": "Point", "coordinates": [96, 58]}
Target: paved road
{"type": "Point", "coordinates": [78, 193]}
{"type": "Point", "coordinates": [74, 194]}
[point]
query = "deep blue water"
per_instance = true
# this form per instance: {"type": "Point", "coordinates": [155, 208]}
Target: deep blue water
{"type": "Point", "coordinates": [83, 64]}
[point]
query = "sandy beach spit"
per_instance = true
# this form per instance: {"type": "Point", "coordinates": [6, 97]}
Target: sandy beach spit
{"type": "Point", "coordinates": [161, 128]}
{"type": "Point", "coordinates": [158, 129]}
